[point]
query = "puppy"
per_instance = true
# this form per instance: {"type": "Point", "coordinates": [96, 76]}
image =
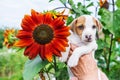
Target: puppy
{"type": "Point", "coordinates": [83, 34]}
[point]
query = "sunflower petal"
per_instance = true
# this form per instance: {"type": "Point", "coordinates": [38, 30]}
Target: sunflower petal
{"type": "Point", "coordinates": [53, 50]}
{"type": "Point", "coordinates": [56, 52]}
{"type": "Point", "coordinates": [49, 56]}
{"type": "Point", "coordinates": [34, 51]}
{"type": "Point", "coordinates": [27, 23]}
{"type": "Point", "coordinates": [24, 34]}
{"type": "Point", "coordinates": [58, 23]}
{"type": "Point", "coordinates": [23, 42]}
{"type": "Point", "coordinates": [61, 34]}
{"type": "Point", "coordinates": [34, 16]}
{"type": "Point", "coordinates": [47, 18]}
{"type": "Point", "coordinates": [57, 45]}
{"type": "Point", "coordinates": [48, 53]}
{"type": "Point", "coordinates": [64, 28]}
{"type": "Point", "coordinates": [42, 51]}
{"type": "Point", "coordinates": [64, 42]}
{"type": "Point", "coordinates": [40, 18]}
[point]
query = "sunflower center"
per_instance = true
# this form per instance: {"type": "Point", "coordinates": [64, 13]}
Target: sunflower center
{"type": "Point", "coordinates": [43, 34]}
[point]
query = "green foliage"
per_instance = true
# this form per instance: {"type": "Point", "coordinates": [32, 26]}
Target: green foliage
{"type": "Point", "coordinates": [33, 67]}
{"type": "Point", "coordinates": [1, 38]}
{"type": "Point", "coordinates": [11, 65]}
{"type": "Point", "coordinates": [115, 72]}
{"type": "Point", "coordinates": [118, 3]}
{"type": "Point", "coordinates": [63, 1]}
{"type": "Point", "coordinates": [106, 19]}
{"type": "Point", "coordinates": [69, 20]}
{"type": "Point", "coordinates": [108, 47]}
{"type": "Point", "coordinates": [108, 53]}
{"type": "Point", "coordinates": [51, 0]}
{"type": "Point", "coordinates": [38, 66]}
{"type": "Point", "coordinates": [79, 8]}
{"type": "Point", "coordinates": [61, 73]}
{"type": "Point", "coordinates": [116, 23]}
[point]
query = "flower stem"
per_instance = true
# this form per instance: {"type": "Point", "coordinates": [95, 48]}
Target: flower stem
{"type": "Point", "coordinates": [55, 65]}
{"type": "Point", "coordinates": [111, 41]}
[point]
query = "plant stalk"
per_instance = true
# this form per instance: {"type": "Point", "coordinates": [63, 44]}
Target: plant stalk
{"type": "Point", "coordinates": [55, 65]}
{"type": "Point", "coordinates": [110, 49]}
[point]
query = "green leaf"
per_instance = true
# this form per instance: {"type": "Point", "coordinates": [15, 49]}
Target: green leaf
{"type": "Point", "coordinates": [32, 67]}
{"type": "Point", "coordinates": [69, 20]}
{"type": "Point", "coordinates": [71, 2]}
{"type": "Point", "coordinates": [89, 5]}
{"type": "Point", "coordinates": [73, 6]}
{"type": "Point", "coordinates": [63, 1]}
{"type": "Point", "coordinates": [106, 19]}
{"type": "Point", "coordinates": [118, 3]}
{"type": "Point", "coordinates": [116, 23]}
{"type": "Point", "coordinates": [51, 0]}
{"type": "Point", "coordinates": [79, 4]}
{"type": "Point", "coordinates": [101, 44]}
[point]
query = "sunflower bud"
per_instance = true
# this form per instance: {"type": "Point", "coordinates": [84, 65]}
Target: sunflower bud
{"type": "Point", "coordinates": [9, 38]}
{"type": "Point", "coordinates": [104, 4]}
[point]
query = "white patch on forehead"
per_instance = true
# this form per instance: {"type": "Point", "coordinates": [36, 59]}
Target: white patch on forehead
{"type": "Point", "coordinates": [88, 21]}
{"type": "Point", "coordinates": [88, 30]}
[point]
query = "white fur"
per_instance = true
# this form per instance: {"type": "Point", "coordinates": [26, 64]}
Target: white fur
{"type": "Point", "coordinates": [85, 47]}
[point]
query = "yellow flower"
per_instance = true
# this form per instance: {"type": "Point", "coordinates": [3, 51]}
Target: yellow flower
{"type": "Point", "coordinates": [9, 38]}
{"type": "Point", "coordinates": [59, 14]}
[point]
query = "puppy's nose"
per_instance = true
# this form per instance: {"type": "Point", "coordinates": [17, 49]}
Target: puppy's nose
{"type": "Point", "coordinates": [88, 36]}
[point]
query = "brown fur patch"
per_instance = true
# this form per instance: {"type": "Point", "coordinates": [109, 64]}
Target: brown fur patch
{"type": "Point", "coordinates": [80, 22]}
{"type": "Point", "coordinates": [97, 24]}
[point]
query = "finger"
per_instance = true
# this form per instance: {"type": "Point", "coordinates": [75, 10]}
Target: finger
{"type": "Point", "coordinates": [74, 78]}
{"type": "Point", "coordinates": [91, 54]}
{"type": "Point", "coordinates": [70, 51]}
{"type": "Point", "coordinates": [73, 46]}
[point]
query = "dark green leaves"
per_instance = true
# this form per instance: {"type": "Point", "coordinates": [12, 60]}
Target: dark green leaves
{"type": "Point", "coordinates": [69, 20]}
{"type": "Point", "coordinates": [106, 19]}
{"type": "Point", "coordinates": [90, 4]}
{"type": "Point", "coordinates": [51, 0]}
{"type": "Point", "coordinates": [116, 23]}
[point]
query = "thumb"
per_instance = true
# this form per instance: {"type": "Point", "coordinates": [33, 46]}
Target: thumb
{"type": "Point", "coordinates": [73, 46]}
{"type": "Point", "coordinates": [74, 78]}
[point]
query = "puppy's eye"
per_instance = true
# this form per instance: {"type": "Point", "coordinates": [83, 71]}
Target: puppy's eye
{"type": "Point", "coordinates": [93, 26]}
{"type": "Point", "coordinates": [81, 27]}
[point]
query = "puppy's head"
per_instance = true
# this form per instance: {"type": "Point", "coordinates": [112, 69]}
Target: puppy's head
{"type": "Point", "coordinates": [86, 27]}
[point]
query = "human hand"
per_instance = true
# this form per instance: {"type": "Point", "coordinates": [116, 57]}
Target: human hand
{"type": "Point", "coordinates": [73, 60]}
{"type": "Point", "coordinates": [86, 68]}
{"type": "Point", "coordinates": [74, 78]}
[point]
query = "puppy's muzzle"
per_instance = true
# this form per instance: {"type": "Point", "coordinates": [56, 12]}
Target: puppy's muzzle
{"type": "Point", "coordinates": [88, 38]}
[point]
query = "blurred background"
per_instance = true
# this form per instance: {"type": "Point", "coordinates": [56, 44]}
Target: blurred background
{"type": "Point", "coordinates": [107, 11]}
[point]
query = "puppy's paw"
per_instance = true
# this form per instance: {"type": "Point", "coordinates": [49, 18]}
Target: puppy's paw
{"type": "Point", "coordinates": [95, 46]}
{"type": "Point", "coordinates": [73, 61]}
{"type": "Point", "coordinates": [63, 59]}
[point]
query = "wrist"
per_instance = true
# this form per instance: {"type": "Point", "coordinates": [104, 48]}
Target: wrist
{"type": "Point", "coordinates": [90, 76]}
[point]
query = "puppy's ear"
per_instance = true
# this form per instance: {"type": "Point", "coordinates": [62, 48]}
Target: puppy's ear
{"type": "Point", "coordinates": [73, 24]}
{"type": "Point", "coordinates": [99, 34]}
{"type": "Point", "coordinates": [99, 25]}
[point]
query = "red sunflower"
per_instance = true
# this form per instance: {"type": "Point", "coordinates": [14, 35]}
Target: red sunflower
{"type": "Point", "coordinates": [42, 34]}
